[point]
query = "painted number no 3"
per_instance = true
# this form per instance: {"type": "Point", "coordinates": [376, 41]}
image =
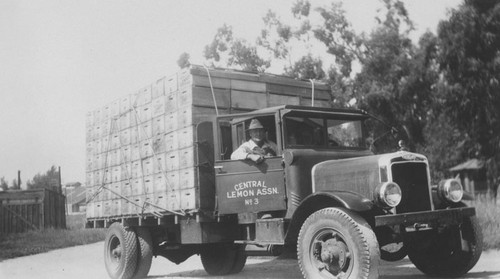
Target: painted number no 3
{"type": "Point", "coordinates": [254, 201]}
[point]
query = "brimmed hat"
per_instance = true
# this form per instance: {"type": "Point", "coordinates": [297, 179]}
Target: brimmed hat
{"type": "Point", "coordinates": [255, 124]}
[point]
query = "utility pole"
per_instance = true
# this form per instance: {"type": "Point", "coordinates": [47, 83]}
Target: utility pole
{"type": "Point", "coordinates": [19, 179]}
{"type": "Point", "coordinates": [60, 182]}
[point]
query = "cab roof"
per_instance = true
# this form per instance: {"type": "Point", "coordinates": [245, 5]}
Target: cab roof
{"type": "Point", "coordinates": [302, 109]}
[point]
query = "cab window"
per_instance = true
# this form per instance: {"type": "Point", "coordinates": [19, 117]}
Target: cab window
{"type": "Point", "coordinates": [234, 131]}
{"type": "Point", "coordinates": [323, 132]}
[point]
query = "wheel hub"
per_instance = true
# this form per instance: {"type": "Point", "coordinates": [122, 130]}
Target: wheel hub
{"type": "Point", "coordinates": [333, 254]}
{"type": "Point", "coordinates": [117, 252]}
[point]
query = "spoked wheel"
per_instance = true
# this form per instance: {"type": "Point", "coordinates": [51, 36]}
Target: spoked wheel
{"type": "Point", "coordinates": [120, 252]}
{"type": "Point", "coordinates": [222, 259]}
{"type": "Point", "coordinates": [337, 243]}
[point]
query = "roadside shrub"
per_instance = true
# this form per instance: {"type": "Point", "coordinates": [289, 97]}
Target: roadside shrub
{"type": "Point", "coordinates": [75, 221]}
{"type": "Point", "coordinates": [35, 242]}
{"type": "Point", "coordinates": [488, 213]}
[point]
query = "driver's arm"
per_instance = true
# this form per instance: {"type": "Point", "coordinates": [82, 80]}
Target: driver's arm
{"type": "Point", "coordinates": [244, 152]}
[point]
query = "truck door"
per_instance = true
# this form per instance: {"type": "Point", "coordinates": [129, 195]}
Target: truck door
{"type": "Point", "coordinates": [242, 185]}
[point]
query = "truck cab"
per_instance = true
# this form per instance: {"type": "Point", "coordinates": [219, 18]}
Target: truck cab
{"type": "Point", "coordinates": [304, 137]}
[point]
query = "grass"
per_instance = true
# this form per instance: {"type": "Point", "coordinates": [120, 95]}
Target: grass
{"type": "Point", "coordinates": [35, 242]}
{"type": "Point", "coordinates": [488, 213]}
{"type": "Point", "coordinates": [75, 222]}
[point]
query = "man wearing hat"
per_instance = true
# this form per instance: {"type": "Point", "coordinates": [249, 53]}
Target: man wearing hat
{"type": "Point", "coordinates": [257, 147]}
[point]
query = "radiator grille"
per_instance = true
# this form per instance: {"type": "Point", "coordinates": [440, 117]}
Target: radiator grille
{"type": "Point", "coordinates": [412, 178]}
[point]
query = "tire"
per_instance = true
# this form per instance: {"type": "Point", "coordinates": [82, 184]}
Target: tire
{"type": "Point", "coordinates": [239, 260]}
{"type": "Point", "coordinates": [223, 259]}
{"type": "Point", "coordinates": [434, 253]}
{"type": "Point", "coordinates": [145, 253]}
{"type": "Point", "coordinates": [393, 254]}
{"type": "Point", "coordinates": [120, 252]}
{"type": "Point", "coordinates": [337, 243]}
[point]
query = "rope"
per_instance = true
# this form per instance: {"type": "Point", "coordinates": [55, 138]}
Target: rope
{"type": "Point", "coordinates": [312, 93]}
{"type": "Point", "coordinates": [212, 88]}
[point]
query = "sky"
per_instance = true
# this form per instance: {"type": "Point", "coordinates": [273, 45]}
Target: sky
{"type": "Point", "coordinates": [60, 59]}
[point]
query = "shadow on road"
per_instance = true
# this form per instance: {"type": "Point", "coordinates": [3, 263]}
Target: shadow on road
{"type": "Point", "coordinates": [288, 269]}
{"type": "Point", "coordinates": [273, 268]}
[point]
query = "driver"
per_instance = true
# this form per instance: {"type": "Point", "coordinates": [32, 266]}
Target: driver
{"type": "Point", "coordinates": [257, 147]}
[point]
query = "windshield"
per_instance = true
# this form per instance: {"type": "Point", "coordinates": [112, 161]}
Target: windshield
{"type": "Point", "coordinates": [324, 132]}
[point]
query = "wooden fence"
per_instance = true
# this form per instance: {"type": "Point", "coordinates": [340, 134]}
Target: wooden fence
{"type": "Point", "coordinates": [37, 209]}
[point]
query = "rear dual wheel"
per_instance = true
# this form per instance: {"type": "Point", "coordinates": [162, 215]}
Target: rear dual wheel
{"type": "Point", "coordinates": [223, 259]}
{"type": "Point", "coordinates": [127, 253]}
{"type": "Point", "coordinates": [120, 252]}
{"type": "Point", "coordinates": [145, 253]}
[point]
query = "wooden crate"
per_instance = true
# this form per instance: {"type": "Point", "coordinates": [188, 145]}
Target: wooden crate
{"type": "Point", "coordinates": [171, 102]}
{"type": "Point", "coordinates": [171, 84]}
{"type": "Point", "coordinates": [125, 104]}
{"type": "Point", "coordinates": [158, 89]}
{"type": "Point", "coordinates": [144, 96]}
{"type": "Point", "coordinates": [188, 178]}
{"type": "Point", "coordinates": [125, 154]}
{"type": "Point", "coordinates": [158, 125]}
{"type": "Point", "coordinates": [148, 184]}
{"type": "Point", "coordinates": [126, 171]}
{"type": "Point", "coordinates": [189, 198]}
{"type": "Point", "coordinates": [148, 166]}
{"type": "Point", "coordinates": [171, 182]}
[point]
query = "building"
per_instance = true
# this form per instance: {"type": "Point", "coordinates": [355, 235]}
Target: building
{"type": "Point", "coordinates": [75, 198]}
{"type": "Point", "coordinates": [472, 174]}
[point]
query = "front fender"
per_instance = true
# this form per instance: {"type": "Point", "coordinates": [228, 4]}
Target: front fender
{"type": "Point", "coordinates": [320, 200]}
{"type": "Point", "coordinates": [348, 200]}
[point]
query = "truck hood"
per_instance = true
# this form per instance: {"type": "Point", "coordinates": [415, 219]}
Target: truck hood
{"type": "Point", "coordinates": [358, 175]}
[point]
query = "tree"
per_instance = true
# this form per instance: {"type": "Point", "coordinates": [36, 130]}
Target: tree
{"type": "Point", "coordinates": [397, 78]}
{"type": "Point", "coordinates": [226, 50]}
{"type": "Point", "coordinates": [308, 67]}
{"type": "Point", "coordinates": [295, 42]}
{"type": "Point", "coordinates": [15, 185]}
{"type": "Point", "coordinates": [48, 180]}
{"type": "Point", "coordinates": [469, 60]}
{"type": "Point", "coordinates": [3, 184]}
{"type": "Point", "coordinates": [183, 61]}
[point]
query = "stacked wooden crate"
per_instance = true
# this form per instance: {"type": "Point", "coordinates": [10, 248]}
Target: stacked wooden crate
{"type": "Point", "coordinates": [142, 155]}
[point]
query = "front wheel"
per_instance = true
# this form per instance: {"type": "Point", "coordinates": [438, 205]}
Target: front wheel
{"type": "Point", "coordinates": [337, 243]}
{"type": "Point", "coordinates": [120, 252]}
{"type": "Point", "coordinates": [448, 252]}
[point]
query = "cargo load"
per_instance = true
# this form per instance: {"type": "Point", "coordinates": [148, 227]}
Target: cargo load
{"type": "Point", "coordinates": [148, 153]}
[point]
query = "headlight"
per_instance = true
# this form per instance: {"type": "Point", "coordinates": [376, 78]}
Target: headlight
{"type": "Point", "coordinates": [388, 194]}
{"type": "Point", "coordinates": [450, 190]}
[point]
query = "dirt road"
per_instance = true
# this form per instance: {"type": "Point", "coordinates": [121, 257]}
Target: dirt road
{"type": "Point", "coordinates": [87, 262]}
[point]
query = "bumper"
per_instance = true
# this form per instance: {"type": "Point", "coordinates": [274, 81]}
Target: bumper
{"type": "Point", "coordinates": [444, 216]}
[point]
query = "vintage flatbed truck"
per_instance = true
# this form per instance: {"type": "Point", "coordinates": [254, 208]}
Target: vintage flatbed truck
{"type": "Point", "coordinates": [325, 197]}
